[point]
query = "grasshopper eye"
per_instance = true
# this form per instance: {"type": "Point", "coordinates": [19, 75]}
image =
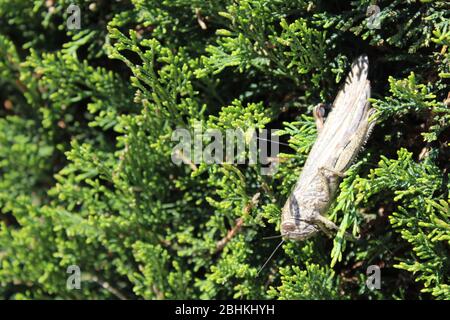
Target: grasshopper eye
{"type": "Point", "coordinates": [287, 227]}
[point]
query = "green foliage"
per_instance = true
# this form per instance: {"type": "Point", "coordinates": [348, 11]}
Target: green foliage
{"type": "Point", "coordinates": [313, 283]}
{"type": "Point", "coordinates": [86, 176]}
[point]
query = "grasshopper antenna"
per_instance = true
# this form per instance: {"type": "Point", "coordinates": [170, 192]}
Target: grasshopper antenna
{"type": "Point", "coordinates": [270, 257]}
{"type": "Point", "coordinates": [282, 143]}
{"type": "Point", "coordinates": [272, 237]}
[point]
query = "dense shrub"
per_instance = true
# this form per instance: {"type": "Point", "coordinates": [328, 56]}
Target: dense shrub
{"type": "Point", "coordinates": [85, 148]}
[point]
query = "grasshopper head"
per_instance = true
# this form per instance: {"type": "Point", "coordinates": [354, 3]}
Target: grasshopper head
{"type": "Point", "coordinates": [294, 222]}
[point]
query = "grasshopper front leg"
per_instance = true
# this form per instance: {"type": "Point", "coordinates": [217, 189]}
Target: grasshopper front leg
{"type": "Point", "coordinates": [330, 228]}
{"type": "Point", "coordinates": [326, 225]}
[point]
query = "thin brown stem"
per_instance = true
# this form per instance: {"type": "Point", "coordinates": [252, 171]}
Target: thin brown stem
{"type": "Point", "coordinates": [238, 226]}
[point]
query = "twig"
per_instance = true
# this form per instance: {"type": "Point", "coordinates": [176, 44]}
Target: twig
{"type": "Point", "coordinates": [239, 223]}
{"type": "Point", "coordinates": [159, 294]}
{"type": "Point", "coordinates": [186, 160]}
{"type": "Point", "coordinates": [105, 285]}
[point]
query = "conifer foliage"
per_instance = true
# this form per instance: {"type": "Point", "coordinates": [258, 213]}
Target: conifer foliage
{"type": "Point", "coordinates": [86, 171]}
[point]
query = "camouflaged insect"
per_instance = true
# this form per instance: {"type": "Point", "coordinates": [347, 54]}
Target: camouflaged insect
{"type": "Point", "coordinates": [344, 132]}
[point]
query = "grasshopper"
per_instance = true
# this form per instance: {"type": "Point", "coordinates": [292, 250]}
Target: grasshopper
{"type": "Point", "coordinates": [339, 139]}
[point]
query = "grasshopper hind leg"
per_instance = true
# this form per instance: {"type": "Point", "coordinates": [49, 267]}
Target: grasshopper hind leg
{"type": "Point", "coordinates": [323, 223]}
{"type": "Point", "coordinates": [319, 115]}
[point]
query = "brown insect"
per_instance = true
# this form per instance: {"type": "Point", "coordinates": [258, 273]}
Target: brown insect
{"type": "Point", "coordinates": [340, 137]}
